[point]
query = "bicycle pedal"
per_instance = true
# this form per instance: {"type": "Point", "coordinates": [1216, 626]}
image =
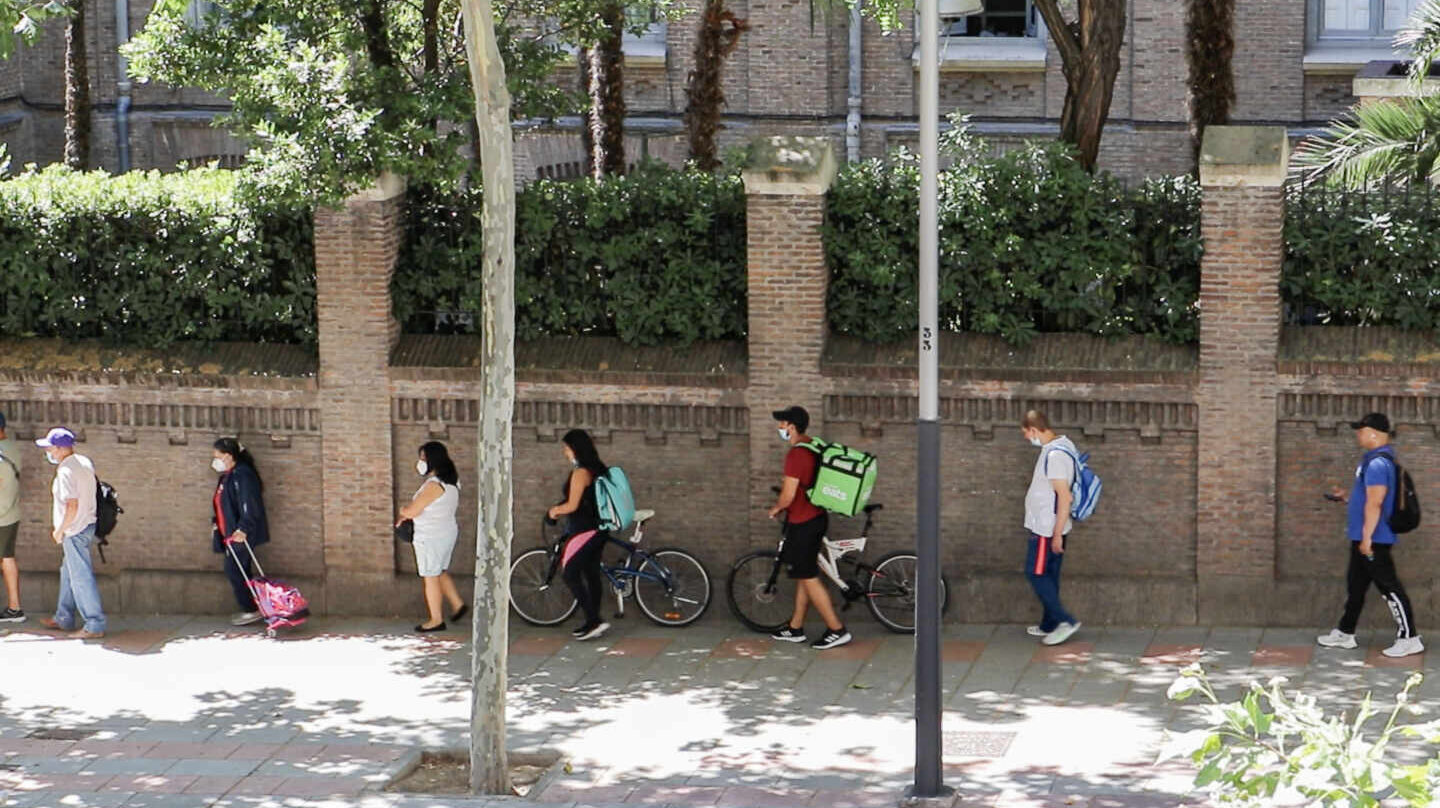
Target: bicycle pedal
{"type": "Point", "coordinates": [619, 615]}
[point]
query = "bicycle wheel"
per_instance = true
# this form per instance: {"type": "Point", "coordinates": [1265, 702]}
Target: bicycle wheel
{"type": "Point", "coordinates": [761, 595]}
{"type": "Point", "coordinates": [890, 592]}
{"type": "Point", "coordinates": [539, 597]}
{"type": "Point", "coordinates": [673, 588]}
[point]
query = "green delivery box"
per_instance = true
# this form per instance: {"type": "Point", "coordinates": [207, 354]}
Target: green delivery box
{"type": "Point", "coordinates": [844, 479]}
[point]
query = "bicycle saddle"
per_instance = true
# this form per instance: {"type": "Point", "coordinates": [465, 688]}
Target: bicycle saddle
{"type": "Point", "coordinates": [873, 508]}
{"type": "Point", "coordinates": [642, 516]}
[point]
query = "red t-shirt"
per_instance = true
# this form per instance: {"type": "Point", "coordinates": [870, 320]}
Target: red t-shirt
{"type": "Point", "coordinates": [801, 464]}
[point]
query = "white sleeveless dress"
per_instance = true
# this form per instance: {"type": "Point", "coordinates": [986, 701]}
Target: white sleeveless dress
{"type": "Point", "coordinates": [436, 530]}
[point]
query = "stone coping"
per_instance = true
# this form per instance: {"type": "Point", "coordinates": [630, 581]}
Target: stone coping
{"type": "Point", "coordinates": [1044, 354]}
{"type": "Point", "coordinates": [1343, 350]}
{"type": "Point", "coordinates": [37, 355]}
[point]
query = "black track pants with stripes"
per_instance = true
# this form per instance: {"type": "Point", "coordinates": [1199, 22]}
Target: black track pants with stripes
{"type": "Point", "coordinates": [1381, 572]}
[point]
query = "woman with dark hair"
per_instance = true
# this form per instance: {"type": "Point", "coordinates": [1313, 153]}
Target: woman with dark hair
{"type": "Point", "coordinates": [432, 509]}
{"type": "Point", "coordinates": [585, 542]}
{"type": "Point", "coordinates": [239, 517]}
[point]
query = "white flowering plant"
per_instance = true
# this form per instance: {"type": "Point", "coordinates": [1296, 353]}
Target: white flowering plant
{"type": "Point", "coordinates": [1270, 748]}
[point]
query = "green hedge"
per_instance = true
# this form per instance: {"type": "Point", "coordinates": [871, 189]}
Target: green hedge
{"type": "Point", "coordinates": [148, 259]}
{"type": "Point", "coordinates": [1363, 259]}
{"type": "Point", "coordinates": [655, 256]}
{"type": "Point", "coordinates": [1028, 242]}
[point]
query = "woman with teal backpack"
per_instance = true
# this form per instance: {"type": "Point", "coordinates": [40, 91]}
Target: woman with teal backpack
{"type": "Point", "coordinates": [584, 539]}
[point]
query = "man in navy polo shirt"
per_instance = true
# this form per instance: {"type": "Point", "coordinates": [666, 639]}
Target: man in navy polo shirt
{"type": "Point", "coordinates": [1371, 503]}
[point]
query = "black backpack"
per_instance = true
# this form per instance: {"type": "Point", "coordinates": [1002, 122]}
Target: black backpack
{"type": "Point", "coordinates": [1407, 503]}
{"type": "Point", "coordinates": [107, 512]}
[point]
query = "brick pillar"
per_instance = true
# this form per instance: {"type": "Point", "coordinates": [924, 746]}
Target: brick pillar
{"type": "Point", "coordinates": [355, 251]}
{"type": "Point", "coordinates": [1242, 169]}
{"type": "Point", "coordinates": [785, 186]}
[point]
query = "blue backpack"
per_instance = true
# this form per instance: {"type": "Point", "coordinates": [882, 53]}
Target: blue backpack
{"type": "Point", "coordinates": [1085, 486]}
{"type": "Point", "coordinates": [615, 500]}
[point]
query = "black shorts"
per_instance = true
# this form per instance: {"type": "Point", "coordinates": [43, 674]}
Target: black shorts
{"type": "Point", "coordinates": [802, 547]}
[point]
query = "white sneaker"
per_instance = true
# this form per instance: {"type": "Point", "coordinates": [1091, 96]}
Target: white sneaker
{"type": "Point", "coordinates": [1036, 631]}
{"type": "Point", "coordinates": [1337, 639]}
{"type": "Point", "coordinates": [1405, 646]}
{"type": "Point", "coordinates": [596, 631]}
{"type": "Point", "coordinates": [1061, 633]}
{"type": "Point", "coordinates": [244, 618]}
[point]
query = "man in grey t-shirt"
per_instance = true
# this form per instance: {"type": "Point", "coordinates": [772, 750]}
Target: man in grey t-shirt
{"type": "Point", "coordinates": [73, 517]}
{"type": "Point", "coordinates": [1047, 521]}
{"type": "Point", "coordinates": [9, 524]}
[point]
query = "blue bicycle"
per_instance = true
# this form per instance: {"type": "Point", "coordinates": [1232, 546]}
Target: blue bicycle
{"type": "Point", "coordinates": [671, 586]}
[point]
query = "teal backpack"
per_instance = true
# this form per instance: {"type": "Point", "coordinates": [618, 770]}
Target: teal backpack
{"type": "Point", "coordinates": [844, 477]}
{"type": "Point", "coordinates": [615, 501]}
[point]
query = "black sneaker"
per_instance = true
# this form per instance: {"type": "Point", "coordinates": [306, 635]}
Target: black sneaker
{"type": "Point", "coordinates": [596, 630]}
{"type": "Point", "coordinates": [12, 616]}
{"type": "Point", "coordinates": [788, 634]}
{"type": "Point", "coordinates": [832, 639]}
{"type": "Point", "coordinates": [582, 631]}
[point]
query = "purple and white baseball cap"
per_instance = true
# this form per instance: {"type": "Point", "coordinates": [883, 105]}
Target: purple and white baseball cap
{"type": "Point", "coordinates": [59, 436]}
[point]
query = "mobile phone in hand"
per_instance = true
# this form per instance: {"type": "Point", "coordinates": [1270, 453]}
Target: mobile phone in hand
{"type": "Point", "coordinates": [1333, 497]}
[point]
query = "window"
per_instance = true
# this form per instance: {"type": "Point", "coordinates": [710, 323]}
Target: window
{"type": "Point", "coordinates": [1364, 19]}
{"type": "Point", "coordinates": [197, 11]}
{"type": "Point", "coordinates": [655, 30]}
{"type": "Point", "coordinates": [1001, 18]}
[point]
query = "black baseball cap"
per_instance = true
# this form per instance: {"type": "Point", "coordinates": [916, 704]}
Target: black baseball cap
{"type": "Point", "coordinates": [1376, 421]}
{"type": "Point", "coordinates": [794, 414]}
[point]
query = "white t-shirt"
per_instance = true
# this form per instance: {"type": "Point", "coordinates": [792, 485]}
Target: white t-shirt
{"type": "Point", "coordinates": [1040, 500]}
{"type": "Point", "coordinates": [74, 479]}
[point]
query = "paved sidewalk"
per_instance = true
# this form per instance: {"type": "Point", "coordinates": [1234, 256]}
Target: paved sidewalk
{"type": "Point", "coordinates": [176, 711]}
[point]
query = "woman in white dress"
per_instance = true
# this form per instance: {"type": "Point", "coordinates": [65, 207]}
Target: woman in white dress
{"type": "Point", "coordinates": [433, 511]}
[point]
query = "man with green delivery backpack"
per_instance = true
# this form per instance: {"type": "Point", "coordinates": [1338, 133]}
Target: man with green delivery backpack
{"type": "Point", "coordinates": [818, 477]}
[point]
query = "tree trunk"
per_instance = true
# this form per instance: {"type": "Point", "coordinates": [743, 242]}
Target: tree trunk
{"type": "Point", "coordinates": [1090, 60]}
{"type": "Point", "coordinates": [607, 95]}
{"type": "Point", "coordinates": [489, 765]}
{"type": "Point", "coordinates": [717, 38]}
{"type": "Point", "coordinates": [77, 90]}
{"type": "Point", "coordinates": [1210, 38]}
{"type": "Point", "coordinates": [587, 132]}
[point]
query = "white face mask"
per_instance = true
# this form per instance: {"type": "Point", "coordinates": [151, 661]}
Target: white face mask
{"type": "Point", "coordinates": [218, 465]}
{"type": "Point", "coordinates": [784, 434]}
{"type": "Point", "coordinates": [422, 468]}
{"type": "Point", "coordinates": [53, 460]}
{"type": "Point", "coordinates": [1036, 442]}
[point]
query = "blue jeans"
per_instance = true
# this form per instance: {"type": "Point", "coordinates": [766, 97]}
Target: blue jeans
{"type": "Point", "coordinates": [1042, 568]}
{"type": "Point", "coordinates": [78, 591]}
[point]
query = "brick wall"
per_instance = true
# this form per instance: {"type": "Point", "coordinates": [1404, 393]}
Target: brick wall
{"type": "Point", "coordinates": [1211, 513]}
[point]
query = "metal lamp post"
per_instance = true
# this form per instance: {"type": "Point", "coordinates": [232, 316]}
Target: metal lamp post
{"type": "Point", "coordinates": [927, 545]}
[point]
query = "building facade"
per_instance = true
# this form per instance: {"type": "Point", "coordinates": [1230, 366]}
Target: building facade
{"type": "Point", "coordinates": [1294, 64]}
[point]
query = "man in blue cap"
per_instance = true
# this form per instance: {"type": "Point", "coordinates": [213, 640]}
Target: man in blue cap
{"type": "Point", "coordinates": [9, 524]}
{"type": "Point", "coordinates": [73, 516]}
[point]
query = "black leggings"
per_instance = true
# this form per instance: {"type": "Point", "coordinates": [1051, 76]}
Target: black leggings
{"type": "Point", "coordinates": [243, 597]}
{"type": "Point", "coordinates": [1380, 572]}
{"type": "Point", "coordinates": [583, 577]}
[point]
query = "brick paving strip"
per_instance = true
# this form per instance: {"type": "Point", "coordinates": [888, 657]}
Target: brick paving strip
{"type": "Point", "coordinates": [601, 703]}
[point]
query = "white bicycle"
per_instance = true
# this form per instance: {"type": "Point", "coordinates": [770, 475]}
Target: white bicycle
{"type": "Point", "coordinates": [763, 597]}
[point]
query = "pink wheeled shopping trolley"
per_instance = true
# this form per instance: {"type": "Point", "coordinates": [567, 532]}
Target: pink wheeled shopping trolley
{"type": "Point", "coordinates": [280, 604]}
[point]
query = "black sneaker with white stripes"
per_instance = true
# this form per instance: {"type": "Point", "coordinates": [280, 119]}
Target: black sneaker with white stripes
{"type": "Point", "coordinates": [788, 634]}
{"type": "Point", "coordinates": [12, 616]}
{"type": "Point", "coordinates": [831, 639]}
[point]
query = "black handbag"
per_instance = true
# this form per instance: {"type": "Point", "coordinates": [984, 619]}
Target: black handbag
{"type": "Point", "coordinates": [405, 531]}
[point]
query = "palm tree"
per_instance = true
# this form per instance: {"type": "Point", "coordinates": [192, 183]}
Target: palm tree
{"type": "Point", "coordinates": [77, 90]}
{"type": "Point", "coordinates": [718, 36]}
{"type": "Point", "coordinates": [1210, 38]}
{"type": "Point", "coordinates": [1391, 142]}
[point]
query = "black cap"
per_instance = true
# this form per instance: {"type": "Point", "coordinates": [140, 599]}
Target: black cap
{"type": "Point", "coordinates": [1376, 421]}
{"type": "Point", "coordinates": [794, 414]}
